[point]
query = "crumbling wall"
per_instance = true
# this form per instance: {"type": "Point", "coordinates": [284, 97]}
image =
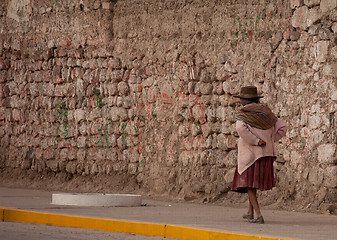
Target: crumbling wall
{"type": "Point", "coordinates": [144, 89]}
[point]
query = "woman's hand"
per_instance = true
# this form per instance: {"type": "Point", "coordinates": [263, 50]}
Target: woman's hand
{"type": "Point", "coordinates": [261, 143]}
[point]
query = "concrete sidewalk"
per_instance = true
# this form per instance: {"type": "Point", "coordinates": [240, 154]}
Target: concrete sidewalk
{"type": "Point", "coordinates": [179, 220]}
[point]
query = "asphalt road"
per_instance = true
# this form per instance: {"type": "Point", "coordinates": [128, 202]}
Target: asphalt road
{"type": "Point", "coordinates": [29, 231]}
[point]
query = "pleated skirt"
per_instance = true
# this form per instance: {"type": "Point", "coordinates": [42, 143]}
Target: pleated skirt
{"type": "Point", "coordinates": [260, 175]}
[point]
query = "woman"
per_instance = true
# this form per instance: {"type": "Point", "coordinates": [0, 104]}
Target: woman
{"type": "Point", "coordinates": [258, 129]}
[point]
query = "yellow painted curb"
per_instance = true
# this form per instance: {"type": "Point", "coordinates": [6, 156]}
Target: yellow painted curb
{"type": "Point", "coordinates": [2, 214]}
{"type": "Point", "coordinates": [186, 232]}
{"type": "Point", "coordinates": [114, 225]}
{"type": "Point", "coordinates": [85, 222]}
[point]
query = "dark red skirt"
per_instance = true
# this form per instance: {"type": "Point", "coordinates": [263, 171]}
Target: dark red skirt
{"type": "Point", "coordinates": [260, 176]}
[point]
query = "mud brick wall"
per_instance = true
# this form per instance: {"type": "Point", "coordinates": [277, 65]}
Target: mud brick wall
{"type": "Point", "coordinates": [145, 89]}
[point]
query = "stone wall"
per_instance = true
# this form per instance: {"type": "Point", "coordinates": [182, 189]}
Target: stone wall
{"type": "Point", "coordinates": [144, 89]}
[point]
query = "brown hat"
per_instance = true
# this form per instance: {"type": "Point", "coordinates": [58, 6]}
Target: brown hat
{"type": "Point", "coordinates": [248, 92]}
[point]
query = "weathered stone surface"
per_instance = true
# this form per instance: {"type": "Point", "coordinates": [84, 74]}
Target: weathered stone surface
{"type": "Point", "coordinates": [313, 17]}
{"type": "Point", "coordinates": [334, 95]}
{"type": "Point", "coordinates": [294, 35]}
{"type": "Point", "coordinates": [334, 27]}
{"type": "Point", "coordinates": [311, 3]}
{"type": "Point", "coordinates": [230, 142]}
{"type": "Point", "coordinates": [321, 51]}
{"type": "Point", "coordinates": [324, 33]}
{"type": "Point", "coordinates": [107, 5]}
{"type": "Point", "coordinates": [316, 176]}
{"type": "Point", "coordinates": [199, 113]}
{"type": "Point", "coordinates": [79, 115]}
{"type": "Point", "coordinates": [123, 88]}
{"type": "Point", "coordinates": [334, 52]}
{"type": "Point", "coordinates": [296, 3]}
{"type": "Point", "coordinates": [114, 63]}
{"type": "Point", "coordinates": [327, 5]}
{"type": "Point", "coordinates": [330, 177]}
{"type": "Point", "coordinates": [71, 167]}
{"type": "Point", "coordinates": [300, 18]}
{"type": "Point", "coordinates": [330, 70]}
{"type": "Point", "coordinates": [151, 100]}
{"type": "Point", "coordinates": [327, 153]}
{"type": "Point", "coordinates": [206, 88]}
{"type": "Point", "coordinates": [19, 10]}
{"type": "Point", "coordinates": [229, 67]}
{"type": "Point", "coordinates": [53, 165]}
{"type": "Point", "coordinates": [195, 129]}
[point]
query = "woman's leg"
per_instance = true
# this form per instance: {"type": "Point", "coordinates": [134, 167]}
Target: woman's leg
{"type": "Point", "coordinates": [253, 201]}
{"type": "Point", "coordinates": [250, 209]}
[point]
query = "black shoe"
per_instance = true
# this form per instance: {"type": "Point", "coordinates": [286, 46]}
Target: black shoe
{"type": "Point", "coordinates": [259, 220]}
{"type": "Point", "coordinates": [248, 216]}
